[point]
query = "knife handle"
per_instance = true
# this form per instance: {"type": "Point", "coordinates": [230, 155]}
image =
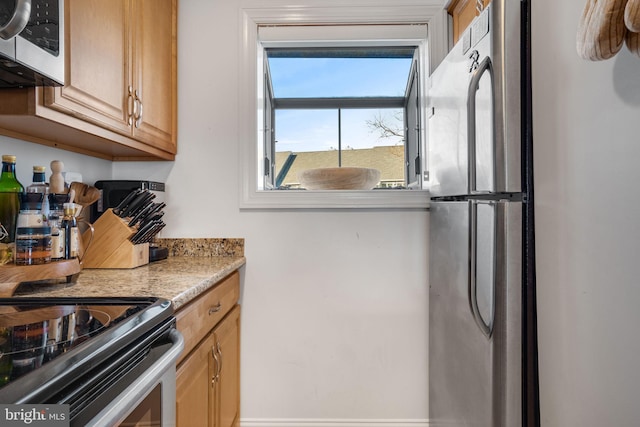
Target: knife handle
{"type": "Point", "coordinates": [123, 204]}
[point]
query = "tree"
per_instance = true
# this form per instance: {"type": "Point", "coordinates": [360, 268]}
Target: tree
{"type": "Point", "coordinates": [388, 126]}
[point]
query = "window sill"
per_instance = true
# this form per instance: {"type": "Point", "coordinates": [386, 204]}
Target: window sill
{"type": "Point", "coordinates": [340, 199]}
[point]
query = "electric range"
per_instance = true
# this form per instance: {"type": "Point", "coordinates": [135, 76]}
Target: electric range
{"type": "Point", "coordinates": [85, 353]}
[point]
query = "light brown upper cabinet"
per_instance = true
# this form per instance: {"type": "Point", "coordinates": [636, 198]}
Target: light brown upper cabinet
{"type": "Point", "coordinates": [119, 101]}
{"type": "Point", "coordinates": [462, 13]}
{"type": "Point", "coordinates": [120, 68]}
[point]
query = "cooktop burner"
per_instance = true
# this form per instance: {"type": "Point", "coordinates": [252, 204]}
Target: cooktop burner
{"type": "Point", "coordinates": [44, 340]}
{"type": "Point", "coordinates": [30, 337]}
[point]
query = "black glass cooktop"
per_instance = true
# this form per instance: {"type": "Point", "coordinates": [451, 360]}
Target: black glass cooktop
{"type": "Point", "coordinates": [45, 341]}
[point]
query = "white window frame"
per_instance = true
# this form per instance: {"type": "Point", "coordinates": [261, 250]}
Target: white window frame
{"type": "Point", "coordinates": [255, 13]}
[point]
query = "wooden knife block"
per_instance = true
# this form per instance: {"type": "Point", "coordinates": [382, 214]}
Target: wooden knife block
{"type": "Point", "coordinates": [111, 247]}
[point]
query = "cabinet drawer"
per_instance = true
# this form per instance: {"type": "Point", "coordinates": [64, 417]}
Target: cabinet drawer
{"type": "Point", "coordinates": [197, 319]}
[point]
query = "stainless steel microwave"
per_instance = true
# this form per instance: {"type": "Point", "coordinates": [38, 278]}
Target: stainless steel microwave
{"type": "Point", "coordinates": [31, 43]}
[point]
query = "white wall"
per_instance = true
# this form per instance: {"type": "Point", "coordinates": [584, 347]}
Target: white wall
{"type": "Point", "coordinates": [29, 155]}
{"type": "Point", "coordinates": [335, 302]}
{"type": "Point", "coordinates": [587, 147]}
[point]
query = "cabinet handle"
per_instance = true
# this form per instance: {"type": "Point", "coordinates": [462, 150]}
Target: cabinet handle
{"type": "Point", "coordinates": [214, 378]}
{"type": "Point", "coordinates": [138, 115]}
{"type": "Point", "coordinates": [219, 348]}
{"type": "Point", "coordinates": [215, 309]}
{"type": "Point", "coordinates": [131, 106]}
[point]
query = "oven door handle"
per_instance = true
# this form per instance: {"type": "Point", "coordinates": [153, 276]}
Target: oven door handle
{"type": "Point", "coordinates": [162, 371]}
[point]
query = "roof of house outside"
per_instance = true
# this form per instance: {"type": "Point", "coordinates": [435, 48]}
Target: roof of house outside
{"type": "Point", "coordinates": [389, 160]}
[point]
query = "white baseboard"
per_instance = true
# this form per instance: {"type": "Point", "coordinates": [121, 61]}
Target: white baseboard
{"type": "Point", "coordinates": [322, 422]}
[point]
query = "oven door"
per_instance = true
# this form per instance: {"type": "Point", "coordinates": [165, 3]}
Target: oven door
{"type": "Point", "coordinates": [145, 396]}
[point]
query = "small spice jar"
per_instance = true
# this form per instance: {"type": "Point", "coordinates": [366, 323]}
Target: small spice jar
{"type": "Point", "coordinates": [33, 245]}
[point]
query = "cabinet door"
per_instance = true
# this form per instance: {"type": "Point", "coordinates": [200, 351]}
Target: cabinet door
{"type": "Point", "coordinates": [194, 396]}
{"type": "Point", "coordinates": [154, 72]}
{"type": "Point", "coordinates": [97, 71]}
{"type": "Point", "coordinates": [462, 13]}
{"type": "Point", "coordinates": [227, 390]}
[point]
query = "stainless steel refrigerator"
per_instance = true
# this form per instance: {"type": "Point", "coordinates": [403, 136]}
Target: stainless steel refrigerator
{"type": "Point", "coordinates": [482, 335]}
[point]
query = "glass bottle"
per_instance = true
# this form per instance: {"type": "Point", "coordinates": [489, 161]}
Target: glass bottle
{"type": "Point", "coordinates": [38, 185]}
{"type": "Point", "coordinates": [33, 245]}
{"type": "Point", "coordinates": [70, 226]}
{"type": "Point", "coordinates": [10, 189]}
{"type": "Point", "coordinates": [56, 214]}
{"type": "Point", "coordinates": [57, 238]}
{"type": "Point", "coordinates": [30, 210]}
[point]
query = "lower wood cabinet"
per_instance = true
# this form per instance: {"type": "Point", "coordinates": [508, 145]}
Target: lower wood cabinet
{"type": "Point", "coordinates": [208, 376]}
{"type": "Point", "coordinates": [226, 371]}
{"type": "Point", "coordinates": [192, 388]}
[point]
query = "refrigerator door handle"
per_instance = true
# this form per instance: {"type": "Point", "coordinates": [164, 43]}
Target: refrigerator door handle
{"type": "Point", "coordinates": [485, 327]}
{"type": "Point", "coordinates": [478, 72]}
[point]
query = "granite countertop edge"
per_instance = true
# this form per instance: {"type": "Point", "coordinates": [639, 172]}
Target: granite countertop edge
{"type": "Point", "coordinates": [189, 294]}
{"type": "Point", "coordinates": [177, 279]}
{"type": "Point", "coordinates": [193, 266]}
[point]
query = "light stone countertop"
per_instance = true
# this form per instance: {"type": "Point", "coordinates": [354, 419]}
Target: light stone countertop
{"type": "Point", "coordinates": [180, 278]}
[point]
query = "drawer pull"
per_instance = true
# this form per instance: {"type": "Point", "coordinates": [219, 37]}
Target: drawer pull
{"type": "Point", "coordinates": [215, 309]}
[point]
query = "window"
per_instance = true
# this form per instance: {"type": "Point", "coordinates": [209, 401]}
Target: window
{"type": "Point", "coordinates": [341, 106]}
{"type": "Point", "coordinates": [271, 149]}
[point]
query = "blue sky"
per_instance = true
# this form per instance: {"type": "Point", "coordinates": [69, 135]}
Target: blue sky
{"type": "Point", "coordinates": [314, 130]}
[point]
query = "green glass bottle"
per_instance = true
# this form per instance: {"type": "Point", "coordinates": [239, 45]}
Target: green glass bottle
{"type": "Point", "coordinates": [10, 189]}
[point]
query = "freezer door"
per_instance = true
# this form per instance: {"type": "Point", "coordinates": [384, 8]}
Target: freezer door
{"type": "Point", "coordinates": [474, 314]}
{"type": "Point", "coordinates": [447, 125]}
{"type": "Point", "coordinates": [461, 127]}
{"type": "Point", "coordinates": [474, 141]}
